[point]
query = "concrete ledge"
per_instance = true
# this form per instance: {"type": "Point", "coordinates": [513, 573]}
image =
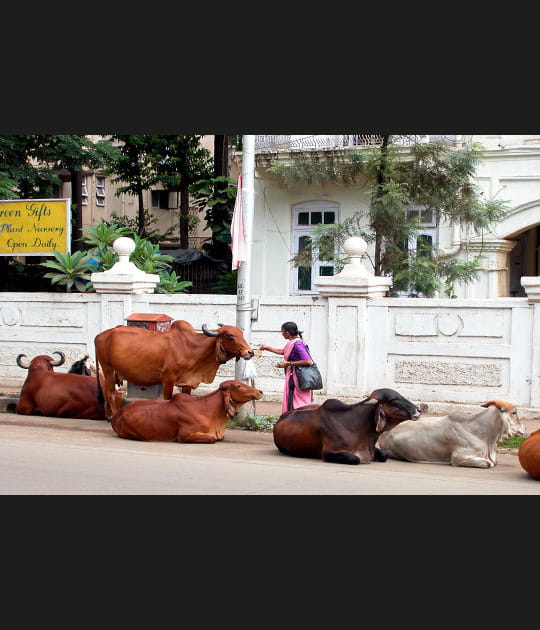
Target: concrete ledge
{"type": "Point", "coordinates": [8, 404]}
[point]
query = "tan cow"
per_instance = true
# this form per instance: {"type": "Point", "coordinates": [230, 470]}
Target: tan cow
{"type": "Point", "coordinates": [458, 439]}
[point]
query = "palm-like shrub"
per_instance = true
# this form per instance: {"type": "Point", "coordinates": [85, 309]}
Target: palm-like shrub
{"type": "Point", "coordinates": [75, 270]}
{"type": "Point", "coordinates": [71, 270]}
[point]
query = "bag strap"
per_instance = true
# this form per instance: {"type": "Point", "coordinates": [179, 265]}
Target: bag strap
{"type": "Point", "coordinates": [307, 348]}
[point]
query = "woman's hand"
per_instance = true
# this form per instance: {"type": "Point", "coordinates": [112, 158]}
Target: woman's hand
{"type": "Point", "coordinates": [283, 364]}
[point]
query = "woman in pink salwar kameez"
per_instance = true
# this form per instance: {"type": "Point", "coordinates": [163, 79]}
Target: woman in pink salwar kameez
{"type": "Point", "coordinates": [294, 353]}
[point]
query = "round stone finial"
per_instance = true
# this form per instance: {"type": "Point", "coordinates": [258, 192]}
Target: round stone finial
{"type": "Point", "coordinates": [355, 246]}
{"type": "Point", "coordinates": [124, 246]}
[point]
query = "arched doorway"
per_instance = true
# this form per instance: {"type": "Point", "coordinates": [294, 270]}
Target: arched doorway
{"type": "Point", "coordinates": [522, 226]}
{"type": "Point", "coordinates": [524, 259]}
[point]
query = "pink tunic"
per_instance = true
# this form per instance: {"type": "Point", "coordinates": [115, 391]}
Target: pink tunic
{"type": "Point", "coordinates": [300, 397]}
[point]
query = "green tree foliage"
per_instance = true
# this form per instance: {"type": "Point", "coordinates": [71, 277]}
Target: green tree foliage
{"type": "Point", "coordinates": [432, 176]}
{"type": "Point", "coordinates": [76, 270]}
{"type": "Point", "coordinates": [217, 195]}
{"type": "Point", "coordinates": [178, 162]}
{"type": "Point", "coordinates": [72, 153]}
{"type": "Point", "coordinates": [131, 225]}
{"type": "Point", "coordinates": [30, 168]}
{"type": "Point", "coordinates": [132, 165]}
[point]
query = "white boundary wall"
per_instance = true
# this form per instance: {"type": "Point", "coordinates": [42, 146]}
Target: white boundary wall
{"type": "Point", "coordinates": [431, 350]}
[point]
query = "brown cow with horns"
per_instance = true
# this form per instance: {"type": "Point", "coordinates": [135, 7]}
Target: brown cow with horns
{"type": "Point", "coordinates": [183, 418]}
{"type": "Point", "coordinates": [57, 394]}
{"type": "Point", "coordinates": [179, 356]}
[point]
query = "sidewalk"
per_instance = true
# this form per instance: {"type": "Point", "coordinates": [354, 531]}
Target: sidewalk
{"type": "Point", "coordinates": [530, 418]}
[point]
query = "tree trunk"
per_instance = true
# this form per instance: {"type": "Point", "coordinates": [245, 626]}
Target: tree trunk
{"type": "Point", "coordinates": [4, 262]}
{"type": "Point", "coordinates": [141, 222]}
{"type": "Point", "coordinates": [379, 192]}
{"type": "Point", "coordinates": [184, 215]}
{"type": "Point", "coordinates": [221, 156]}
{"type": "Point", "coordinates": [76, 210]}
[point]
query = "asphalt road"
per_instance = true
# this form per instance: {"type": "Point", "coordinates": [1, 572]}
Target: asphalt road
{"type": "Point", "coordinates": [52, 456]}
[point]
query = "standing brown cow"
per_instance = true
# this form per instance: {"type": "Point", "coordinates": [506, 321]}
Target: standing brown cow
{"type": "Point", "coordinates": [180, 356]}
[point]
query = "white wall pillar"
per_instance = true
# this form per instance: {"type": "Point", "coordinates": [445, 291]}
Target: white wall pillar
{"type": "Point", "coordinates": [493, 278]}
{"type": "Point", "coordinates": [531, 284]}
{"type": "Point", "coordinates": [124, 276]}
{"type": "Point", "coordinates": [348, 293]}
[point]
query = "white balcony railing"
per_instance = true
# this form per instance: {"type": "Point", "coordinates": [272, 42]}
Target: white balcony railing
{"type": "Point", "coordinates": [276, 142]}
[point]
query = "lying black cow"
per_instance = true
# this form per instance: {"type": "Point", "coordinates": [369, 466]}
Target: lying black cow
{"type": "Point", "coordinates": [341, 433]}
{"type": "Point", "coordinates": [82, 366]}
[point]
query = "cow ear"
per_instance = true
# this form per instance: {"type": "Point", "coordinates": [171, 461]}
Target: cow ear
{"type": "Point", "coordinates": [229, 406]}
{"type": "Point", "coordinates": [221, 354]}
{"type": "Point", "coordinates": [380, 419]}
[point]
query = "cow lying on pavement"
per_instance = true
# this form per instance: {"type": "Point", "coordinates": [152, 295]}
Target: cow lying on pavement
{"type": "Point", "coordinates": [342, 433]}
{"type": "Point", "coordinates": [56, 394]}
{"type": "Point", "coordinates": [529, 454]}
{"type": "Point", "coordinates": [184, 418]}
{"type": "Point", "coordinates": [458, 439]}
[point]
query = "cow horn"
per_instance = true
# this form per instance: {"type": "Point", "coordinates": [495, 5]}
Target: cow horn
{"type": "Point", "coordinates": [220, 324]}
{"type": "Point", "coordinates": [19, 357]}
{"type": "Point", "coordinates": [209, 333]}
{"type": "Point", "coordinates": [61, 360]}
{"type": "Point", "coordinates": [370, 401]}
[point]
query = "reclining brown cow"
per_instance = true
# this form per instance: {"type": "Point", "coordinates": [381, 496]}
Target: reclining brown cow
{"type": "Point", "coordinates": [184, 418]}
{"type": "Point", "coordinates": [57, 394]}
{"type": "Point", "coordinates": [529, 454]}
{"type": "Point", "coordinates": [342, 433]}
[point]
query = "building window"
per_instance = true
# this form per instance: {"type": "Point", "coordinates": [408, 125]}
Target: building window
{"type": "Point", "coordinates": [159, 199]}
{"type": "Point", "coordinates": [84, 190]}
{"type": "Point", "coordinates": [426, 217]}
{"type": "Point", "coordinates": [100, 190]}
{"type": "Point", "coordinates": [427, 237]}
{"type": "Point", "coordinates": [305, 217]}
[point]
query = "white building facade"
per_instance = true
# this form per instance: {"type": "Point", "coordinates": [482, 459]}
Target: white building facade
{"type": "Point", "coordinates": [284, 217]}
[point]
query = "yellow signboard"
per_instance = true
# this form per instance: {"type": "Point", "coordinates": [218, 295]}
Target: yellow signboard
{"type": "Point", "coordinates": [35, 227]}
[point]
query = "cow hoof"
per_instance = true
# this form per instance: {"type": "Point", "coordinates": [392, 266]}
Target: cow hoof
{"type": "Point", "coordinates": [341, 458]}
{"type": "Point", "coordinates": [379, 456]}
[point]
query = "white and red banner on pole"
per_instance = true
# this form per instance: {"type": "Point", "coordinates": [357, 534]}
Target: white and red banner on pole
{"type": "Point", "coordinates": [238, 238]}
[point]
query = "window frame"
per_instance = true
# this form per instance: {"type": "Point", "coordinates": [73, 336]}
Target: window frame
{"type": "Point", "coordinates": [84, 190]}
{"type": "Point", "coordinates": [100, 190]}
{"type": "Point", "coordinates": [299, 231]}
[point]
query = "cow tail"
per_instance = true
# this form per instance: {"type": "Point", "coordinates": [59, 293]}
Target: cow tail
{"type": "Point", "coordinates": [99, 392]}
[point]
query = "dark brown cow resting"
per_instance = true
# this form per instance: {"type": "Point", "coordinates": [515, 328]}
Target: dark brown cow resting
{"type": "Point", "coordinates": [58, 395]}
{"type": "Point", "coordinates": [342, 433]}
{"type": "Point", "coordinates": [180, 356]}
{"type": "Point", "coordinates": [184, 418]}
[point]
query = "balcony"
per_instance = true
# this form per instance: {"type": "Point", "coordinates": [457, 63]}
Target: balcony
{"type": "Point", "coordinates": [290, 142]}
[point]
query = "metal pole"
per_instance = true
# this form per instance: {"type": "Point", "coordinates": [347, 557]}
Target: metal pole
{"type": "Point", "coordinates": [243, 295]}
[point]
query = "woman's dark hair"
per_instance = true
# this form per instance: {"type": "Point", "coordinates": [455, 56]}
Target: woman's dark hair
{"type": "Point", "coordinates": [291, 328]}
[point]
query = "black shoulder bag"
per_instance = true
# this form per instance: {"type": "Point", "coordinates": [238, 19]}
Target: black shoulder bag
{"type": "Point", "coordinates": [308, 376]}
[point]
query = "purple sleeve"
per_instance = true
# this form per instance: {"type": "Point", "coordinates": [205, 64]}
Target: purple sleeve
{"type": "Point", "coordinates": [299, 353]}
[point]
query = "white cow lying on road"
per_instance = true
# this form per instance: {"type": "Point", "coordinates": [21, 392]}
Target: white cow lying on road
{"type": "Point", "coordinates": [458, 439]}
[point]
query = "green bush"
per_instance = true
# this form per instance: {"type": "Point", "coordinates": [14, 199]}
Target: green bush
{"type": "Point", "coordinates": [254, 423]}
{"type": "Point", "coordinates": [75, 270]}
